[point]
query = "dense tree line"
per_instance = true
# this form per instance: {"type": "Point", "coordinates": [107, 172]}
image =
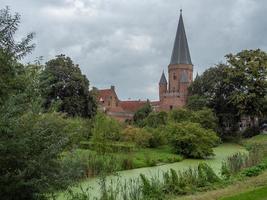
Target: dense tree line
{"type": "Point", "coordinates": [234, 89]}
{"type": "Point", "coordinates": [32, 137]}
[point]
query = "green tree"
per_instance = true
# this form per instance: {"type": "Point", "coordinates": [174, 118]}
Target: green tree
{"type": "Point", "coordinates": [213, 87]}
{"type": "Point", "coordinates": [196, 102]}
{"type": "Point", "coordinates": [156, 119]}
{"type": "Point", "coordinates": [180, 115]}
{"type": "Point", "coordinates": [192, 140]}
{"type": "Point", "coordinates": [247, 73]}
{"type": "Point", "coordinates": [63, 82]}
{"type": "Point", "coordinates": [10, 52]}
{"type": "Point", "coordinates": [235, 89]}
{"type": "Point", "coordinates": [206, 118]}
{"type": "Point", "coordinates": [141, 114]}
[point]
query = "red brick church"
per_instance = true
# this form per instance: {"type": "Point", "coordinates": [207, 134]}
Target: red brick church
{"type": "Point", "coordinates": [172, 93]}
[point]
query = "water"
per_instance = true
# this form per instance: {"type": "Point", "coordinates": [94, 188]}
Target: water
{"type": "Point", "coordinates": [221, 153]}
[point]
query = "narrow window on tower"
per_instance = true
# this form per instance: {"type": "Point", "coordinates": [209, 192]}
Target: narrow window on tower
{"type": "Point", "coordinates": [174, 76]}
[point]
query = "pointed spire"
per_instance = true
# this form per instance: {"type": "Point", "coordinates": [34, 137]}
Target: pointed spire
{"type": "Point", "coordinates": [180, 52]}
{"type": "Point", "coordinates": [163, 80]}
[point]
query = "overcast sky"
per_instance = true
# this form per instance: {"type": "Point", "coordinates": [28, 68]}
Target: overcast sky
{"type": "Point", "coordinates": [127, 43]}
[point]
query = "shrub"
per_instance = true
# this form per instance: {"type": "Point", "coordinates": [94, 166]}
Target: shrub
{"type": "Point", "coordinates": [156, 119]}
{"type": "Point", "coordinates": [78, 129]}
{"type": "Point", "coordinates": [105, 127]}
{"type": "Point", "coordinates": [159, 137]}
{"type": "Point", "coordinates": [251, 131]}
{"type": "Point", "coordinates": [30, 155]}
{"type": "Point", "coordinates": [141, 114]}
{"type": "Point", "coordinates": [206, 118]}
{"type": "Point", "coordinates": [138, 135]}
{"type": "Point", "coordinates": [191, 140]}
{"type": "Point", "coordinates": [105, 130]}
{"type": "Point", "coordinates": [180, 115]}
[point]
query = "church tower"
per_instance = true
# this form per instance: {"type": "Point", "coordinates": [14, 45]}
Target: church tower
{"type": "Point", "coordinates": [180, 68]}
{"type": "Point", "coordinates": [180, 72]}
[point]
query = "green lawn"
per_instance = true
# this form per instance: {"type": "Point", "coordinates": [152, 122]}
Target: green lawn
{"type": "Point", "coordinates": [256, 194]}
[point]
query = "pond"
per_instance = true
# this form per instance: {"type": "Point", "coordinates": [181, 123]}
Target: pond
{"type": "Point", "coordinates": [221, 153]}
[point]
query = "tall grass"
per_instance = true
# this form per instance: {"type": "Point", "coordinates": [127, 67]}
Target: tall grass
{"type": "Point", "coordinates": [239, 161]}
{"type": "Point", "coordinates": [173, 182]}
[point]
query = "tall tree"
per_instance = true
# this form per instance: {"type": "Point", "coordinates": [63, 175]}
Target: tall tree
{"type": "Point", "coordinates": [10, 52]}
{"type": "Point", "coordinates": [62, 82]}
{"type": "Point", "coordinates": [247, 74]}
{"type": "Point", "coordinates": [236, 88]}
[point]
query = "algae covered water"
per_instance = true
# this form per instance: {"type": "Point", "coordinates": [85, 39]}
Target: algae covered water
{"type": "Point", "coordinates": [221, 153]}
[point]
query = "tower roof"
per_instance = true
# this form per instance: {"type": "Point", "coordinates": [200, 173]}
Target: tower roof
{"type": "Point", "coordinates": [180, 52]}
{"type": "Point", "coordinates": [163, 79]}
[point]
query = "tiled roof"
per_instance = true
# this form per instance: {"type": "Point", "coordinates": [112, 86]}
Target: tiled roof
{"type": "Point", "coordinates": [105, 94]}
{"type": "Point", "coordinates": [131, 106]}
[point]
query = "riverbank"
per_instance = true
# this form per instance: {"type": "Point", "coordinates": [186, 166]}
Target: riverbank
{"type": "Point", "coordinates": [232, 192]}
{"type": "Point", "coordinates": [249, 188]}
{"type": "Point", "coordinates": [221, 153]}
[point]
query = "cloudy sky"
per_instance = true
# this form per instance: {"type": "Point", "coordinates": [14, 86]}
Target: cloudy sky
{"type": "Point", "coordinates": [127, 43]}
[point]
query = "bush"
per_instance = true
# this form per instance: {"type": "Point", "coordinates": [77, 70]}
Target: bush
{"type": "Point", "coordinates": [180, 115]}
{"type": "Point", "coordinates": [156, 119]}
{"type": "Point", "coordinates": [141, 114]}
{"type": "Point", "coordinates": [251, 131]}
{"type": "Point", "coordinates": [191, 140]}
{"type": "Point", "coordinates": [105, 129]}
{"type": "Point", "coordinates": [78, 129]}
{"type": "Point", "coordinates": [159, 137]}
{"type": "Point", "coordinates": [206, 118]}
{"type": "Point", "coordinates": [138, 135]}
{"type": "Point", "coordinates": [30, 152]}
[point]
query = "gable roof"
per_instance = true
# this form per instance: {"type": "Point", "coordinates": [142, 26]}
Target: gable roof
{"type": "Point", "coordinates": [180, 52]}
{"type": "Point", "coordinates": [105, 93]}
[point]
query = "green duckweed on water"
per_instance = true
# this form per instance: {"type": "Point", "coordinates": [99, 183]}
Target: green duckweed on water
{"type": "Point", "coordinates": [221, 153]}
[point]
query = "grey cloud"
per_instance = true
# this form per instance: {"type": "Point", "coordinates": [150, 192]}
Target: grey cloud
{"type": "Point", "coordinates": [129, 42]}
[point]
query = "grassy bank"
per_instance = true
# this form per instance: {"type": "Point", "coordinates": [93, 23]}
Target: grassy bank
{"type": "Point", "coordinates": [253, 188]}
{"type": "Point", "coordinates": [255, 194]}
{"type": "Point", "coordinates": [234, 191]}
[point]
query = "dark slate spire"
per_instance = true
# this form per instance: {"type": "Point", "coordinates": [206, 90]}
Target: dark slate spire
{"type": "Point", "coordinates": [180, 52]}
{"type": "Point", "coordinates": [163, 80]}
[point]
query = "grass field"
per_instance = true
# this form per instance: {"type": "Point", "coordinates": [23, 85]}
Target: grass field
{"type": "Point", "coordinates": [255, 194]}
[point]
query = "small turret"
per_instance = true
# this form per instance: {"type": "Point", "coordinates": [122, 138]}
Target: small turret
{"type": "Point", "coordinates": [162, 86]}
